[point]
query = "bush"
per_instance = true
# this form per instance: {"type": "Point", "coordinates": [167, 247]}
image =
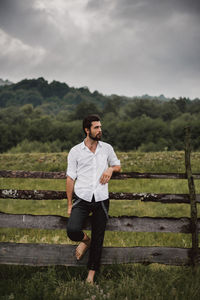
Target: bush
{"type": "Point", "coordinates": [35, 146]}
{"type": "Point", "coordinates": [161, 145]}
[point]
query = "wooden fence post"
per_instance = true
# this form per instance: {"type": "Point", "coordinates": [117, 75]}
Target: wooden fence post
{"type": "Point", "coordinates": [192, 196]}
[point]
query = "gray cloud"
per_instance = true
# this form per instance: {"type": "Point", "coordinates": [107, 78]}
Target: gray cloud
{"type": "Point", "coordinates": [128, 47]}
{"type": "Point", "coordinates": [25, 21]}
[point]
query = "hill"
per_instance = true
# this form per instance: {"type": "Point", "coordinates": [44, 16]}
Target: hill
{"type": "Point", "coordinates": [5, 82]}
{"type": "Point", "coordinates": [37, 115]}
{"type": "Point", "coordinates": [39, 91]}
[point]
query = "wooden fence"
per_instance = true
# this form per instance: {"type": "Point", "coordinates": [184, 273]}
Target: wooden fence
{"type": "Point", "coordinates": [56, 254]}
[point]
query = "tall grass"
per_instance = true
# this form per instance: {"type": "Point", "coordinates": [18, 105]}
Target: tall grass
{"type": "Point", "coordinates": [123, 282]}
{"type": "Point", "coordinates": [117, 281]}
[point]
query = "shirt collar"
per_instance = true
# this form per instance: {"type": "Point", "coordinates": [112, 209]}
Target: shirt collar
{"type": "Point", "coordinates": [83, 146]}
{"type": "Point", "coordinates": [100, 143]}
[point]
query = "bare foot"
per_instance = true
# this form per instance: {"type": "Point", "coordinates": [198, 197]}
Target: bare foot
{"type": "Point", "coordinates": [82, 248]}
{"type": "Point", "coordinates": [90, 278]}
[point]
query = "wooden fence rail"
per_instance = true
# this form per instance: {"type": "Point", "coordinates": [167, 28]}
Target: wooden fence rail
{"type": "Point", "coordinates": [59, 195]}
{"type": "Point", "coordinates": [123, 223]}
{"type": "Point", "coordinates": [47, 254]}
{"type": "Point", "coordinates": [122, 175]}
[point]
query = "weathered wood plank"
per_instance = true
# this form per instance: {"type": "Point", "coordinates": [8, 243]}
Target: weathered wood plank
{"type": "Point", "coordinates": [192, 196]}
{"type": "Point", "coordinates": [62, 175]}
{"type": "Point", "coordinates": [127, 175]}
{"type": "Point", "coordinates": [123, 223]}
{"type": "Point", "coordinates": [32, 194]}
{"type": "Point", "coordinates": [32, 174]}
{"type": "Point", "coordinates": [56, 195]}
{"type": "Point", "coordinates": [48, 254]}
{"type": "Point", "coordinates": [153, 197]}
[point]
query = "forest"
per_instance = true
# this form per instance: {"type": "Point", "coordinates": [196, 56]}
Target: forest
{"type": "Point", "coordinates": [37, 116]}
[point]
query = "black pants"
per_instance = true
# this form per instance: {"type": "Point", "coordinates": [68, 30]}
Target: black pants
{"type": "Point", "coordinates": [80, 211]}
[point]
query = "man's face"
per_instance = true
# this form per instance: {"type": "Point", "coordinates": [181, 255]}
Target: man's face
{"type": "Point", "coordinates": [95, 132]}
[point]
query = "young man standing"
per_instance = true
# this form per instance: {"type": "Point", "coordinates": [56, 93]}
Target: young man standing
{"type": "Point", "coordinates": [90, 167]}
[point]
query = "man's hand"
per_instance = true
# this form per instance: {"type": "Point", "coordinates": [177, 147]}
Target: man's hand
{"type": "Point", "coordinates": [106, 176]}
{"type": "Point", "coordinates": [69, 209]}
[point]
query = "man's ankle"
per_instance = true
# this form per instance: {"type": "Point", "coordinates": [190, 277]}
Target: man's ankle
{"type": "Point", "coordinates": [90, 277]}
{"type": "Point", "coordinates": [85, 238]}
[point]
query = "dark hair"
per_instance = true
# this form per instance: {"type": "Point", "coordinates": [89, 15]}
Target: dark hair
{"type": "Point", "coordinates": [87, 122]}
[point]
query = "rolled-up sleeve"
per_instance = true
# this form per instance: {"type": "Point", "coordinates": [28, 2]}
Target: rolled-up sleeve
{"type": "Point", "coordinates": [112, 158]}
{"type": "Point", "coordinates": [71, 165]}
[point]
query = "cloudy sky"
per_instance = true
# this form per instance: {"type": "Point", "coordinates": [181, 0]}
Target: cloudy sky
{"type": "Point", "coordinates": [124, 47]}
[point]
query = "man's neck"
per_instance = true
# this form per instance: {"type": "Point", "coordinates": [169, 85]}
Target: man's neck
{"type": "Point", "coordinates": [91, 144]}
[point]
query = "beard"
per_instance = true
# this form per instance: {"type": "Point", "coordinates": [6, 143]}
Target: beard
{"type": "Point", "coordinates": [95, 137]}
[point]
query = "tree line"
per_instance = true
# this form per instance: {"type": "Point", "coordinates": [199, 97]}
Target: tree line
{"type": "Point", "coordinates": [39, 116]}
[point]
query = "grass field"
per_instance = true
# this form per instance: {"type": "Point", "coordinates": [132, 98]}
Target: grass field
{"type": "Point", "coordinates": [118, 281]}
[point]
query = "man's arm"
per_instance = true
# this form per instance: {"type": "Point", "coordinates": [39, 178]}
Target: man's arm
{"type": "Point", "coordinates": [108, 174]}
{"type": "Point", "coordinates": [69, 191]}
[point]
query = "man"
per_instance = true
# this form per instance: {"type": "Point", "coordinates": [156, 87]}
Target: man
{"type": "Point", "coordinates": [90, 167]}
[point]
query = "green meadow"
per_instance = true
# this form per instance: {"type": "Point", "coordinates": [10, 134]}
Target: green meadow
{"type": "Point", "coordinates": [132, 281]}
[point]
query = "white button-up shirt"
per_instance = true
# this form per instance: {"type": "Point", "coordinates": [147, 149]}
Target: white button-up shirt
{"type": "Point", "coordinates": [87, 167]}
